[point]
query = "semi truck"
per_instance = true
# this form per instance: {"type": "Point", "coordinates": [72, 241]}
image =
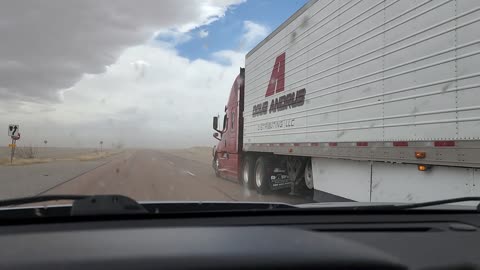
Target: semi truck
{"type": "Point", "coordinates": [368, 101]}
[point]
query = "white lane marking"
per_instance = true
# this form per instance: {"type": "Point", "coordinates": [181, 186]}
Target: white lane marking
{"type": "Point", "coordinates": [190, 173]}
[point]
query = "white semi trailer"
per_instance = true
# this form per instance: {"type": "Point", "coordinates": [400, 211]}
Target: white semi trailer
{"type": "Point", "coordinates": [373, 100]}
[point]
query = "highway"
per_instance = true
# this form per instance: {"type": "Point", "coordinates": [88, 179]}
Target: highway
{"type": "Point", "coordinates": [145, 175]}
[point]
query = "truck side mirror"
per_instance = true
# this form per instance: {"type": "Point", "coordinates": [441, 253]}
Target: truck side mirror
{"type": "Point", "coordinates": [215, 123]}
{"type": "Point", "coordinates": [215, 135]}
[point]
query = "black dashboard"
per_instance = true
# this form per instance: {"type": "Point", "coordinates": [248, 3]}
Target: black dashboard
{"type": "Point", "coordinates": [284, 240]}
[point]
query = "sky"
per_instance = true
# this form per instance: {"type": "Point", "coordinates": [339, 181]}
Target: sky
{"type": "Point", "coordinates": [142, 73]}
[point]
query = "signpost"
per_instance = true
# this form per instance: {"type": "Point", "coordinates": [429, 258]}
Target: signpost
{"type": "Point", "coordinates": [14, 133]}
{"type": "Point", "coordinates": [101, 143]}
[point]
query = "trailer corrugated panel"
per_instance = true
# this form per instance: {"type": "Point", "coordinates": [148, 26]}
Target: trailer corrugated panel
{"type": "Point", "coordinates": [395, 70]}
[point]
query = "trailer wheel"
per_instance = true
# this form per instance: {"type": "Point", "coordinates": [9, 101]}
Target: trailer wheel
{"type": "Point", "coordinates": [309, 175]}
{"type": "Point", "coordinates": [262, 181]}
{"type": "Point", "coordinates": [248, 176]}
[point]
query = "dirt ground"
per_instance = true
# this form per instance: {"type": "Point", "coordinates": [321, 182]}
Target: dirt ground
{"type": "Point", "coordinates": [27, 155]}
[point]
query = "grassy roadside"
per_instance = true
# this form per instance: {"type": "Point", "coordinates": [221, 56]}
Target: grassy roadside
{"type": "Point", "coordinates": [83, 157]}
{"type": "Point", "coordinates": [96, 155]}
{"type": "Point", "coordinates": [24, 161]}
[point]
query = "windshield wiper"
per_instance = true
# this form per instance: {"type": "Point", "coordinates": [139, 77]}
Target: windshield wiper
{"type": "Point", "coordinates": [42, 198]}
{"type": "Point", "coordinates": [439, 202]}
{"type": "Point", "coordinates": [84, 205]}
{"type": "Point", "coordinates": [396, 207]}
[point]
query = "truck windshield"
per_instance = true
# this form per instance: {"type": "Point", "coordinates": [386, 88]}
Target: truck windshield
{"type": "Point", "coordinates": [315, 101]}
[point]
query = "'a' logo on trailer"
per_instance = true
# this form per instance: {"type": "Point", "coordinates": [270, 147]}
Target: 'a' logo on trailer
{"type": "Point", "coordinates": [277, 80]}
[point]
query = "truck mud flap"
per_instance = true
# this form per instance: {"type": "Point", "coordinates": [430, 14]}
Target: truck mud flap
{"type": "Point", "coordinates": [279, 179]}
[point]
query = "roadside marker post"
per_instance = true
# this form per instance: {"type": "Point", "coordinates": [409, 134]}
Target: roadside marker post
{"type": "Point", "coordinates": [14, 133]}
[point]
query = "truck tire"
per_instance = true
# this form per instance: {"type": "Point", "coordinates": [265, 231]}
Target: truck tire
{"type": "Point", "coordinates": [215, 167]}
{"type": "Point", "coordinates": [262, 179]}
{"type": "Point", "coordinates": [308, 175]}
{"type": "Point", "coordinates": [248, 172]}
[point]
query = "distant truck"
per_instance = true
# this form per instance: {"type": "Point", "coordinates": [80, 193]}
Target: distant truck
{"type": "Point", "coordinates": [360, 100]}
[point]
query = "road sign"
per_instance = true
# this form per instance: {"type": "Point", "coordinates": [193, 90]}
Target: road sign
{"type": "Point", "coordinates": [14, 133]}
{"type": "Point", "coordinates": [13, 130]}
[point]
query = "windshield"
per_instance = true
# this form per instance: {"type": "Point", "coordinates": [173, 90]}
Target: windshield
{"type": "Point", "coordinates": [260, 101]}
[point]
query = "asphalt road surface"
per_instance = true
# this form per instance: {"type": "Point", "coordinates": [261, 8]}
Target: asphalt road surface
{"type": "Point", "coordinates": [36, 179]}
{"type": "Point", "coordinates": [154, 175]}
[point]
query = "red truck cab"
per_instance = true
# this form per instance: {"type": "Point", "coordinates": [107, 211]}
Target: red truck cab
{"type": "Point", "coordinates": [227, 158]}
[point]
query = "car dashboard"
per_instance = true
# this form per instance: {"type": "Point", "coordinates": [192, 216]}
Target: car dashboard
{"type": "Point", "coordinates": [283, 239]}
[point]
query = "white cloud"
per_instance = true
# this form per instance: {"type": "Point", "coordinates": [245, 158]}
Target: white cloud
{"type": "Point", "coordinates": [253, 33]}
{"type": "Point", "coordinates": [203, 33]}
{"type": "Point", "coordinates": [229, 57]}
{"type": "Point", "coordinates": [171, 105]}
{"type": "Point", "coordinates": [173, 37]}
